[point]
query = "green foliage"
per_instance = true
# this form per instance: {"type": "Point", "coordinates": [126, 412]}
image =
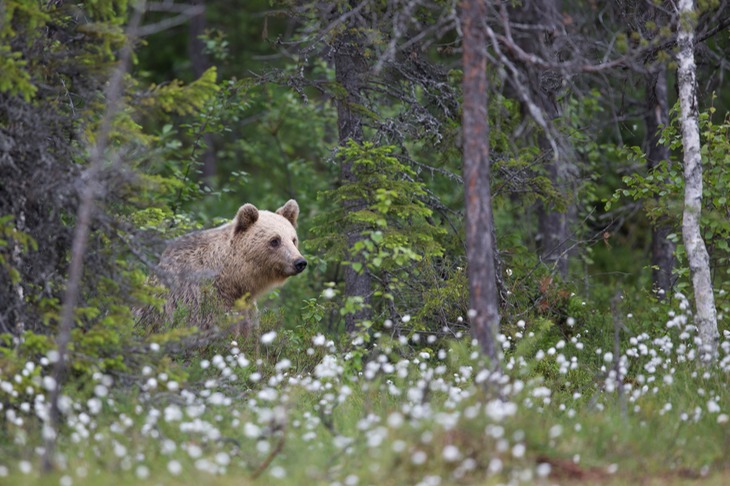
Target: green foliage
{"type": "Point", "coordinates": [176, 97]}
{"type": "Point", "coordinates": [661, 192]}
{"type": "Point", "coordinates": [17, 242]}
{"type": "Point", "coordinates": [398, 237]}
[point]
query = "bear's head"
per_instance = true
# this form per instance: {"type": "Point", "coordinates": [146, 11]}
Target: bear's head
{"type": "Point", "coordinates": [265, 247]}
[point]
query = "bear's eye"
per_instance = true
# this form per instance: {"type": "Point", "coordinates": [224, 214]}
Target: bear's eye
{"type": "Point", "coordinates": [294, 241]}
{"type": "Point", "coordinates": [275, 243]}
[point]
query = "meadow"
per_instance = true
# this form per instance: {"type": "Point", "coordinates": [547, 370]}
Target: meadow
{"type": "Point", "coordinates": [568, 405]}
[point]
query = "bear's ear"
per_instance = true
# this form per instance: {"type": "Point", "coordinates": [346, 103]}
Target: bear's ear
{"type": "Point", "coordinates": [290, 211]}
{"type": "Point", "coordinates": [246, 216]}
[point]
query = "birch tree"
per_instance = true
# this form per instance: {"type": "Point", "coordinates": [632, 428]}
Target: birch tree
{"type": "Point", "coordinates": [699, 261]}
{"type": "Point", "coordinates": [484, 312]}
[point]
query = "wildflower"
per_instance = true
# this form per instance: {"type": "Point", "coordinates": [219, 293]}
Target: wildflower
{"type": "Point", "coordinates": [399, 446]}
{"type": "Point", "coordinates": [279, 472]}
{"type": "Point", "coordinates": [418, 458]}
{"type": "Point", "coordinates": [223, 458]}
{"type": "Point", "coordinates": [495, 466]}
{"type": "Point", "coordinates": [49, 383]}
{"type": "Point", "coordinates": [518, 451]}
{"type": "Point", "coordinates": [543, 470]}
{"type": "Point", "coordinates": [451, 453]}
{"type": "Point", "coordinates": [154, 347]}
{"type": "Point", "coordinates": [174, 467]}
{"type": "Point", "coordinates": [142, 471]}
{"type": "Point", "coordinates": [251, 431]}
{"type": "Point", "coordinates": [268, 338]}
{"type": "Point", "coordinates": [25, 467]}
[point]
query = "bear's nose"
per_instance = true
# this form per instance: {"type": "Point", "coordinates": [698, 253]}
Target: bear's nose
{"type": "Point", "coordinates": [300, 265]}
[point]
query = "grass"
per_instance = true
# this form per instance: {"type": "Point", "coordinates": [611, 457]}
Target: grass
{"type": "Point", "coordinates": [394, 412]}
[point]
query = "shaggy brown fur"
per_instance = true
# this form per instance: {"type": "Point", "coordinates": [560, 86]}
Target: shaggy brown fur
{"type": "Point", "coordinates": [236, 262]}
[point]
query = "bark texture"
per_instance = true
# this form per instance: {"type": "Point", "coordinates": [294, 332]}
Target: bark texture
{"type": "Point", "coordinates": [350, 70]}
{"type": "Point", "coordinates": [200, 63]}
{"type": "Point", "coordinates": [553, 232]}
{"type": "Point", "coordinates": [484, 312]}
{"type": "Point", "coordinates": [699, 261]}
{"type": "Point", "coordinates": [657, 115]}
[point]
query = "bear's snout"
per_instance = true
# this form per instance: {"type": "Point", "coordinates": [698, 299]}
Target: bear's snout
{"type": "Point", "coordinates": [300, 264]}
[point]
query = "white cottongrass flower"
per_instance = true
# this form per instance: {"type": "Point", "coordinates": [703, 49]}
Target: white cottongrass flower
{"type": "Point", "coordinates": [154, 347]}
{"type": "Point", "coordinates": [194, 451]}
{"type": "Point", "coordinates": [94, 405]}
{"type": "Point", "coordinates": [49, 383]}
{"type": "Point", "coordinates": [174, 467]}
{"type": "Point", "coordinates": [263, 447]}
{"type": "Point", "coordinates": [282, 365]}
{"type": "Point", "coordinates": [278, 472]}
{"type": "Point", "coordinates": [142, 471]}
{"type": "Point", "coordinates": [399, 446]}
{"type": "Point", "coordinates": [418, 458]}
{"type": "Point", "coordinates": [451, 453]}
{"type": "Point", "coordinates": [168, 447]}
{"type": "Point", "coordinates": [543, 470]}
{"type": "Point", "coordinates": [497, 410]}
{"type": "Point", "coordinates": [518, 450]}
{"type": "Point", "coordinates": [395, 420]}
{"type": "Point", "coordinates": [328, 368]}
{"type": "Point", "coordinates": [251, 431]}
{"type": "Point", "coordinates": [495, 466]}
{"type": "Point", "coordinates": [173, 413]}
{"type": "Point", "coordinates": [25, 467]}
{"type": "Point", "coordinates": [268, 338]}
{"type": "Point", "coordinates": [328, 293]}
{"type": "Point", "coordinates": [223, 458]}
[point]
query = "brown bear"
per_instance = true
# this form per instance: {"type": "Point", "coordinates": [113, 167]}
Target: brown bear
{"type": "Point", "coordinates": [233, 263]}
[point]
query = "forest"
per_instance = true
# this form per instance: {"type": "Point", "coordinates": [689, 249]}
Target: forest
{"type": "Point", "coordinates": [501, 253]}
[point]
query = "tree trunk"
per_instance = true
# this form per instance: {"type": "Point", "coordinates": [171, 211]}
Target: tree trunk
{"type": "Point", "coordinates": [657, 115]}
{"type": "Point", "coordinates": [200, 63]}
{"type": "Point", "coordinates": [350, 69]}
{"type": "Point", "coordinates": [553, 233]}
{"type": "Point", "coordinates": [699, 260]}
{"type": "Point", "coordinates": [480, 251]}
{"type": "Point", "coordinates": [90, 187]}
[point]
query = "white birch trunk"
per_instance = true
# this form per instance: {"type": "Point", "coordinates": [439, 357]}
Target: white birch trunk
{"type": "Point", "coordinates": [699, 260]}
